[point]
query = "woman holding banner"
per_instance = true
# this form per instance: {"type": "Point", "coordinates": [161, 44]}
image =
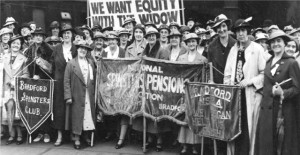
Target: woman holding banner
{"type": "Point", "coordinates": [62, 53]}
{"type": "Point", "coordinates": [186, 135]}
{"type": "Point", "coordinates": [113, 51]}
{"type": "Point", "coordinates": [79, 93]}
{"type": "Point", "coordinates": [277, 131]}
{"type": "Point", "coordinates": [14, 65]}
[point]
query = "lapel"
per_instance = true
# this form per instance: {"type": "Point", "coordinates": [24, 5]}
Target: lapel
{"type": "Point", "coordinates": [7, 68]}
{"type": "Point", "coordinates": [60, 54]}
{"type": "Point", "coordinates": [77, 70]}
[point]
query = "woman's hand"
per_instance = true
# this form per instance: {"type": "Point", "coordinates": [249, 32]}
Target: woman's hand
{"type": "Point", "coordinates": [245, 83]}
{"type": "Point", "coordinates": [69, 101]}
{"type": "Point", "coordinates": [277, 90]}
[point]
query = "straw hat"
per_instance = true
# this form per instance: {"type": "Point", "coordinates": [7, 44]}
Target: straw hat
{"type": "Point", "coordinates": [9, 20]}
{"type": "Point", "coordinates": [277, 34]}
{"type": "Point", "coordinates": [151, 30]}
{"type": "Point", "coordinates": [129, 20]}
{"type": "Point", "coordinates": [191, 36]}
{"type": "Point", "coordinates": [83, 44]}
{"type": "Point", "coordinates": [220, 19]}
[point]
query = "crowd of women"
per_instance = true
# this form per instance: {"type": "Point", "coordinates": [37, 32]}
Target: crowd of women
{"type": "Point", "coordinates": [264, 62]}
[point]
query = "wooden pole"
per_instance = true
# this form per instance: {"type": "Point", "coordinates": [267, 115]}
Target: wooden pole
{"type": "Point", "coordinates": [215, 147]}
{"type": "Point", "coordinates": [202, 145]}
{"type": "Point", "coordinates": [92, 139]}
{"type": "Point", "coordinates": [211, 75]}
{"type": "Point", "coordinates": [182, 13]}
{"type": "Point", "coordinates": [88, 14]}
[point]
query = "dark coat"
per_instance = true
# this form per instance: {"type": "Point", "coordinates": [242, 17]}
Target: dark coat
{"type": "Point", "coordinates": [121, 53]}
{"type": "Point", "coordinates": [58, 66]}
{"type": "Point", "coordinates": [45, 52]}
{"type": "Point", "coordinates": [75, 89]}
{"type": "Point", "coordinates": [156, 52]}
{"type": "Point", "coordinates": [266, 131]}
{"type": "Point", "coordinates": [217, 54]}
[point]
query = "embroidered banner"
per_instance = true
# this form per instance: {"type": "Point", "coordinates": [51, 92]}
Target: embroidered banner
{"type": "Point", "coordinates": [213, 110]}
{"type": "Point", "coordinates": [34, 101]}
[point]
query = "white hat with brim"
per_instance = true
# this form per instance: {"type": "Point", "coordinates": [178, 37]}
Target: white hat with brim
{"type": "Point", "coordinates": [5, 30]}
{"type": "Point", "coordinates": [220, 19]}
{"type": "Point", "coordinates": [261, 36]}
{"type": "Point", "coordinates": [150, 31]}
{"type": "Point", "coordinates": [294, 31]}
{"type": "Point", "coordinates": [277, 34]}
{"type": "Point", "coordinates": [9, 20]}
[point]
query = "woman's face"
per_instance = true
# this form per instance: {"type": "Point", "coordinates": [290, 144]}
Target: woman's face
{"type": "Point", "coordinates": [55, 31]}
{"type": "Point", "coordinates": [164, 35]}
{"type": "Point", "coordinates": [124, 38]}
{"type": "Point", "coordinates": [5, 37]}
{"type": "Point", "coordinates": [129, 26]}
{"type": "Point", "coordinates": [67, 36]}
{"type": "Point", "coordinates": [112, 42]}
{"type": "Point", "coordinates": [222, 30]}
{"type": "Point", "coordinates": [242, 35]}
{"type": "Point", "coordinates": [297, 35]}
{"type": "Point", "coordinates": [138, 34]}
{"type": "Point", "coordinates": [82, 52]}
{"type": "Point", "coordinates": [16, 45]}
{"type": "Point", "coordinates": [38, 38]}
{"type": "Point", "coordinates": [99, 43]}
{"type": "Point", "coordinates": [151, 38]}
{"type": "Point", "coordinates": [192, 44]}
{"type": "Point", "coordinates": [290, 48]}
{"type": "Point", "coordinates": [87, 33]}
{"type": "Point", "coordinates": [172, 28]}
{"type": "Point", "coordinates": [277, 45]}
{"type": "Point", "coordinates": [174, 40]}
{"type": "Point", "coordinates": [11, 26]}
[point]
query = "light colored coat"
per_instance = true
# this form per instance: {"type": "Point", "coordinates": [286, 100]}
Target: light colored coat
{"type": "Point", "coordinates": [253, 71]}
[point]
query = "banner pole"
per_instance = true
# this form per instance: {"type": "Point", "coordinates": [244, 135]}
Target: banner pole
{"type": "Point", "coordinates": [182, 12]}
{"type": "Point", "coordinates": [88, 13]}
{"type": "Point", "coordinates": [211, 75]}
{"type": "Point", "coordinates": [144, 134]}
{"type": "Point", "coordinates": [215, 147]}
{"type": "Point", "coordinates": [92, 139]}
{"type": "Point", "coordinates": [202, 145]}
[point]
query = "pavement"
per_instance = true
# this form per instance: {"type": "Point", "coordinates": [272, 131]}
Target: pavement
{"type": "Point", "coordinates": [100, 148]}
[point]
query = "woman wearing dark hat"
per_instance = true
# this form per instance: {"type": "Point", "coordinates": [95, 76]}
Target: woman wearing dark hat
{"type": "Point", "coordinates": [62, 53]}
{"type": "Point", "coordinates": [274, 137]}
{"type": "Point", "coordinates": [25, 31]}
{"type": "Point", "coordinates": [32, 25]}
{"type": "Point", "coordinates": [5, 35]}
{"type": "Point", "coordinates": [136, 48]}
{"type": "Point", "coordinates": [164, 32]}
{"type": "Point", "coordinates": [173, 26]}
{"type": "Point", "coordinates": [38, 58]}
{"type": "Point", "coordinates": [190, 23]}
{"type": "Point", "coordinates": [258, 31]}
{"type": "Point", "coordinates": [96, 28]}
{"type": "Point", "coordinates": [296, 33]}
{"type": "Point", "coordinates": [153, 48]}
{"type": "Point", "coordinates": [245, 67]}
{"type": "Point", "coordinates": [149, 24]}
{"type": "Point", "coordinates": [129, 24]}
{"type": "Point", "coordinates": [54, 28]}
{"type": "Point", "coordinates": [79, 76]}
{"type": "Point", "coordinates": [88, 34]}
{"type": "Point", "coordinates": [185, 135]}
{"type": "Point", "coordinates": [175, 49]}
{"type": "Point", "coordinates": [99, 43]}
{"type": "Point", "coordinates": [14, 65]}
{"type": "Point", "coordinates": [124, 38]}
{"type": "Point", "coordinates": [52, 41]}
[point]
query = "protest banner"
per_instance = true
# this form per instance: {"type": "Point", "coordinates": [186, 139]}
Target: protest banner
{"type": "Point", "coordinates": [113, 12]}
{"type": "Point", "coordinates": [213, 110]}
{"type": "Point", "coordinates": [34, 101]}
{"type": "Point", "coordinates": [123, 83]}
{"type": "Point", "coordinates": [164, 87]}
{"type": "Point", "coordinates": [118, 82]}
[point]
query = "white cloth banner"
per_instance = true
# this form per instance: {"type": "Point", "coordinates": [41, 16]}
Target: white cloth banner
{"type": "Point", "coordinates": [113, 12]}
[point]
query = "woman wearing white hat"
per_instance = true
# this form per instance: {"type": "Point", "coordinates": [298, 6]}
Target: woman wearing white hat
{"type": "Point", "coordinates": [14, 65]}
{"type": "Point", "coordinates": [185, 135]}
{"type": "Point", "coordinates": [10, 23]}
{"type": "Point", "coordinates": [5, 35]}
